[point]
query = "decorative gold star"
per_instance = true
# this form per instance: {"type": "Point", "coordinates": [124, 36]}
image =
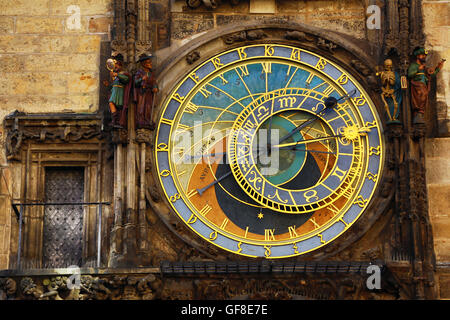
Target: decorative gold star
{"type": "Point", "coordinates": [260, 216]}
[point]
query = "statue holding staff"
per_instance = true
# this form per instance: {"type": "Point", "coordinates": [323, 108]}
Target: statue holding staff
{"type": "Point", "coordinates": [145, 89]}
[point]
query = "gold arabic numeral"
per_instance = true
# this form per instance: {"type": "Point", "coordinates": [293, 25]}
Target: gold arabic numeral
{"type": "Point", "coordinates": [321, 238]}
{"type": "Point", "coordinates": [340, 174]}
{"type": "Point", "coordinates": [292, 232]}
{"type": "Point", "coordinates": [328, 90]}
{"type": "Point", "coordinates": [360, 201]}
{"type": "Point", "coordinates": [267, 67]}
{"type": "Point", "coordinates": [191, 108]}
{"type": "Point", "coordinates": [321, 64]}
{"type": "Point", "coordinates": [164, 173]}
{"type": "Point", "coordinates": [374, 151]}
{"type": "Point", "coordinates": [241, 53]}
{"type": "Point", "coordinates": [313, 221]}
{"type": "Point", "coordinates": [224, 224]}
{"type": "Point", "coordinates": [224, 81]}
{"type": "Point", "coordinates": [205, 92]}
{"type": "Point", "coordinates": [267, 253]}
{"type": "Point", "coordinates": [268, 50]}
{"type": "Point", "coordinates": [372, 176]}
{"type": "Point", "coordinates": [192, 219]}
{"type": "Point", "coordinates": [194, 77]}
{"type": "Point", "coordinates": [310, 194]}
{"type": "Point", "coordinates": [216, 62]}
{"type": "Point", "coordinates": [178, 98]}
{"type": "Point", "coordinates": [370, 125]}
{"type": "Point", "coordinates": [269, 234]}
{"type": "Point", "coordinates": [169, 122]}
{"type": "Point", "coordinates": [207, 208]}
{"type": "Point", "coordinates": [359, 101]}
{"type": "Point", "coordinates": [343, 79]}
{"type": "Point", "coordinates": [296, 54]}
{"type": "Point", "coordinates": [213, 236]}
{"type": "Point", "coordinates": [239, 247]}
{"type": "Point", "coordinates": [345, 223]}
{"type": "Point", "coordinates": [295, 248]}
{"type": "Point", "coordinates": [243, 71]}
{"type": "Point", "coordinates": [162, 147]}
{"type": "Point", "coordinates": [192, 193]}
{"type": "Point", "coordinates": [175, 197]}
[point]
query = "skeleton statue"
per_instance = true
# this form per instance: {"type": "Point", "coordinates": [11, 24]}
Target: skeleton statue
{"type": "Point", "coordinates": [391, 93]}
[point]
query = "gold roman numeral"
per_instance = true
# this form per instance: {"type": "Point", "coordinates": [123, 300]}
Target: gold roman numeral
{"type": "Point", "coordinates": [328, 90]}
{"type": "Point", "coordinates": [224, 223]}
{"type": "Point", "coordinates": [191, 108]}
{"type": "Point", "coordinates": [243, 71]}
{"type": "Point", "coordinates": [292, 232]}
{"type": "Point", "coordinates": [207, 208]}
{"type": "Point", "coordinates": [269, 234]}
{"type": "Point", "coordinates": [267, 67]}
{"type": "Point", "coordinates": [205, 92]}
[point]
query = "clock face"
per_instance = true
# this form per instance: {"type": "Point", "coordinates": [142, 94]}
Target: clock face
{"type": "Point", "coordinates": [256, 157]}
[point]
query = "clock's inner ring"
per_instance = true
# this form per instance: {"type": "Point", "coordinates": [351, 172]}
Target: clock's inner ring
{"type": "Point", "coordinates": [279, 149]}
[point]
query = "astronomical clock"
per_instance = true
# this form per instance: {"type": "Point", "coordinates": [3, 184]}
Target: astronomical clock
{"type": "Point", "coordinates": [269, 150]}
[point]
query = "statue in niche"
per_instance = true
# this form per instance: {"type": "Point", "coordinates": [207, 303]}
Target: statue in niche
{"type": "Point", "coordinates": [391, 91]}
{"type": "Point", "coordinates": [420, 78]}
{"type": "Point", "coordinates": [120, 88]}
{"type": "Point", "coordinates": [145, 89]}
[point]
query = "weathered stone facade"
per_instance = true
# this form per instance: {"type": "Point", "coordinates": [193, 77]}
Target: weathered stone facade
{"type": "Point", "coordinates": [51, 68]}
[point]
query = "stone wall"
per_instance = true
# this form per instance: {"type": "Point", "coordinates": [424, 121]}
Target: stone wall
{"type": "Point", "coordinates": [437, 31]}
{"type": "Point", "coordinates": [47, 66]}
{"type": "Point", "coordinates": [344, 16]}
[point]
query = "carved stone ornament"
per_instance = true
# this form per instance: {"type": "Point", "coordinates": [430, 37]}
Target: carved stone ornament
{"type": "Point", "coordinates": [210, 4]}
{"type": "Point", "coordinates": [192, 57]}
{"type": "Point", "coordinates": [244, 36]}
{"type": "Point", "coordinates": [49, 129]}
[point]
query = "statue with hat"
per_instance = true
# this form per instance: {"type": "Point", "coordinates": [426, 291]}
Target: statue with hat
{"type": "Point", "coordinates": [145, 89]}
{"type": "Point", "coordinates": [420, 78]}
{"type": "Point", "coordinates": [120, 88]}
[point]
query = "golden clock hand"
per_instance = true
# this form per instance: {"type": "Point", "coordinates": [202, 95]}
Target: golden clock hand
{"type": "Point", "coordinates": [296, 143]}
{"type": "Point", "coordinates": [329, 103]}
{"type": "Point", "coordinates": [215, 154]}
{"type": "Point", "coordinates": [314, 151]}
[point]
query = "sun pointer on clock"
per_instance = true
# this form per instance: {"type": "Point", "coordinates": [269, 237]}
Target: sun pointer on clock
{"type": "Point", "coordinates": [324, 139]}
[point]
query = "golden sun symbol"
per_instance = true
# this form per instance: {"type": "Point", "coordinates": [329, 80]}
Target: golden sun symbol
{"type": "Point", "coordinates": [351, 133]}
